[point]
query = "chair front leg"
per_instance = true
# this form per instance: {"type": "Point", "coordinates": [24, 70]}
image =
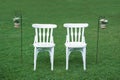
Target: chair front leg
{"type": "Point", "coordinates": [35, 57]}
{"type": "Point", "coordinates": [52, 58]}
{"type": "Point", "coordinates": [67, 58]}
{"type": "Point", "coordinates": [84, 58]}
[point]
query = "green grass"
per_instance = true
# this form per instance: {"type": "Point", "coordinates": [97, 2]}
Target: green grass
{"type": "Point", "coordinates": [60, 12]}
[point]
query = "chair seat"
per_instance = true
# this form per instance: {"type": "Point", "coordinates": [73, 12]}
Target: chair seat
{"type": "Point", "coordinates": [44, 45]}
{"type": "Point", "coordinates": [75, 44]}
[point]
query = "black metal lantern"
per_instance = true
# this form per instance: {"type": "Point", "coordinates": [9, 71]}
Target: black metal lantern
{"type": "Point", "coordinates": [16, 21]}
{"type": "Point", "coordinates": [103, 22]}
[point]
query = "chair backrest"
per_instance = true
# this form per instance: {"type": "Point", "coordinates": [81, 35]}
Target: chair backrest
{"type": "Point", "coordinates": [75, 31]}
{"type": "Point", "coordinates": [44, 32]}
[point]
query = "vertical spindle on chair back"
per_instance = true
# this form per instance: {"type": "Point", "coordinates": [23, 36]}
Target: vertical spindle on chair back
{"type": "Point", "coordinates": [44, 32]}
{"type": "Point", "coordinates": [75, 32]}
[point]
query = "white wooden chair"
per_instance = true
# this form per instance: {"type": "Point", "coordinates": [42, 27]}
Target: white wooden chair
{"type": "Point", "coordinates": [75, 40]}
{"type": "Point", "coordinates": [43, 41]}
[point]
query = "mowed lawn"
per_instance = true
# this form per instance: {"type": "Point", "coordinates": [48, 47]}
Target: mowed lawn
{"type": "Point", "coordinates": [14, 66]}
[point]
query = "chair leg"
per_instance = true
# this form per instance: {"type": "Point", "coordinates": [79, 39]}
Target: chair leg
{"type": "Point", "coordinates": [84, 58]}
{"type": "Point", "coordinates": [52, 58]}
{"type": "Point", "coordinates": [35, 58]}
{"type": "Point", "coordinates": [67, 58]}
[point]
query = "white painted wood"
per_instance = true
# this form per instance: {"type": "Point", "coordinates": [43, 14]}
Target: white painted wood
{"type": "Point", "coordinates": [77, 25]}
{"type": "Point", "coordinates": [79, 34]}
{"type": "Point", "coordinates": [44, 25]}
{"type": "Point", "coordinates": [43, 35]}
{"type": "Point", "coordinates": [75, 34]}
{"type": "Point", "coordinates": [43, 41]}
{"type": "Point", "coordinates": [47, 34]}
{"type": "Point", "coordinates": [39, 34]}
{"type": "Point", "coordinates": [51, 37]}
{"type": "Point", "coordinates": [36, 32]}
{"type": "Point", "coordinates": [68, 35]}
{"type": "Point", "coordinates": [72, 34]}
{"type": "Point", "coordinates": [77, 41]}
